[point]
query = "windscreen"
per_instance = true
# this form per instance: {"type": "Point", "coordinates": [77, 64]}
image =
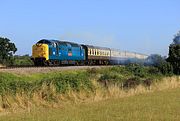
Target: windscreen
{"type": "Point", "coordinates": [44, 42]}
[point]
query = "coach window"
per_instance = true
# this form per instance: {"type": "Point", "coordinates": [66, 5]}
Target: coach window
{"type": "Point", "coordinates": [97, 52]}
{"type": "Point", "coordinates": [88, 51]}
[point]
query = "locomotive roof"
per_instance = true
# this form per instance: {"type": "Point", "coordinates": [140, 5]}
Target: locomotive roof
{"type": "Point", "coordinates": [58, 42]}
{"type": "Point", "coordinates": [117, 50]}
{"type": "Point", "coordinates": [97, 47]}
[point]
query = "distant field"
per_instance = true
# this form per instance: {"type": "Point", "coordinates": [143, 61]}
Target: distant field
{"type": "Point", "coordinates": [157, 106]}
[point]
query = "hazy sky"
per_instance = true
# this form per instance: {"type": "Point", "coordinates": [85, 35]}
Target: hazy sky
{"type": "Point", "coordinates": [145, 26]}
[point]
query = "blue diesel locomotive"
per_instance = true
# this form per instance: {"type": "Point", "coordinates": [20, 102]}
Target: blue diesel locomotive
{"type": "Point", "coordinates": [53, 52]}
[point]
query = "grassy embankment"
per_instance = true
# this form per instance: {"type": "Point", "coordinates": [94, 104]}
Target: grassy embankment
{"type": "Point", "coordinates": [56, 89]}
{"type": "Point", "coordinates": [157, 106]}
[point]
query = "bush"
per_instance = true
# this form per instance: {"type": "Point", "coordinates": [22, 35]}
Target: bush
{"type": "Point", "coordinates": [132, 82]}
{"type": "Point", "coordinates": [62, 82]}
{"type": "Point", "coordinates": [165, 68]}
{"type": "Point", "coordinates": [137, 70]}
{"type": "Point", "coordinates": [22, 60]}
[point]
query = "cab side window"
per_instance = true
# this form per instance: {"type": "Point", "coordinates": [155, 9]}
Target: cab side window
{"type": "Point", "coordinates": [50, 51]}
{"type": "Point", "coordinates": [69, 50]}
{"type": "Point", "coordinates": [57, 49]}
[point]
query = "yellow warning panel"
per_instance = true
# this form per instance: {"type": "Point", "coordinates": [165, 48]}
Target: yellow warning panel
{"type": "Point", "coordinates": [40, 51]}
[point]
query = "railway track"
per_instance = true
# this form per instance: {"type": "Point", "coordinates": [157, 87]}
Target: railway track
{"type": "Point", "coordinates": [33, 69]}
{"type": "Point", "coordinates": [16, 67]}
{"type": "Point", "coordinates": [11, 67]}
{"type": "Point", "coordinates": [63, 66]}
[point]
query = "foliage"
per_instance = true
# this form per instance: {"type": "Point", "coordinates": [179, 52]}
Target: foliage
{"type": "Point", "coordinates": [161, 64]}
{"type": "Point", "coordinates": [52, 86]}
{"type": "Point", "coordinates": [130, 75]}
{"type": "Point", "coordinates": [22, 60]}
{"type": "Point", "coordinates": [63, 82]}
{"type": "Point", "coordinates": [174, 57]}
{"type": "Point", "coordinates": [7, 49]}
{"type": "Point", "coordinates": [154, 60]}
{"type": "Point", "coordinates": [165, 68]}
{"type": "Point", "coordinates": [137, 70]}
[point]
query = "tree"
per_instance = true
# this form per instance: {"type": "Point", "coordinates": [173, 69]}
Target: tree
{"type": "Point", "coordinates": [174, 57]}
{"type": "Point", "coordinates": [154, 60]}
{"type": "Point", "coordinates": [174, 54]}
{"type": "Point", "coordinates": [160, 62]}
{"type": "Point", "coordinates": [7, 49]}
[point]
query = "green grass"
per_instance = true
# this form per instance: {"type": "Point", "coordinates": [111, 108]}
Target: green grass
{"type": "Point", "coordinates": [156, 106]}
{"type": "Point", "coordinates": [63, 81]}
{"type": "Point", "coordinates": [75, 80]}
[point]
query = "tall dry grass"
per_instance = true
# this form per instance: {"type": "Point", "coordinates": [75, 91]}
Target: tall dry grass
{"type": "Point", "coordinates": [116, 92]}
{"type": "Point", "coordinates": [48, 97]}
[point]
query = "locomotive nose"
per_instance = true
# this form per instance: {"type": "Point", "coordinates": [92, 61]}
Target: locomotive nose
{"type": "Point", "coordinates": [40, 51]}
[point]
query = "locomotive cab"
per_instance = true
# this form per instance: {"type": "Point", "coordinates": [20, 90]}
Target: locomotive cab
{"type": "Point", "coordinates": [40, 52]}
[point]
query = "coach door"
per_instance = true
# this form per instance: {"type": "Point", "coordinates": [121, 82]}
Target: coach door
{"type": "Point", "coordinates": [57, 51]}
{"type": "Point", "coordinates": [62, 52]}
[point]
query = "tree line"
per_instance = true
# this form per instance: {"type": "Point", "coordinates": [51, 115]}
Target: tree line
{"type": "Point", "coordinates": [7, 54]}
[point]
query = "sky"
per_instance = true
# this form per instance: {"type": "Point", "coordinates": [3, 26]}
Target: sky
{"type": "Point", "coordinates": [144, 26]}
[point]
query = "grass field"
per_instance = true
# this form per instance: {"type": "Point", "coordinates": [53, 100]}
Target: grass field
{"type": "Point", "coordinates": [156, 106]}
